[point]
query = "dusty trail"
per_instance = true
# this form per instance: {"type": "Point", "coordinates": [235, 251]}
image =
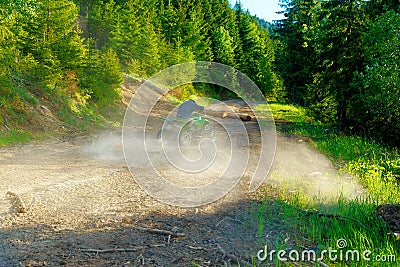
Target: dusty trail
{"type": "Point", "coordinates": [70, 195]}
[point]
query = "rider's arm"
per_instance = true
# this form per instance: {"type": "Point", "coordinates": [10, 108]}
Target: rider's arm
{"type": "Point", "coordinates": [198, 107]}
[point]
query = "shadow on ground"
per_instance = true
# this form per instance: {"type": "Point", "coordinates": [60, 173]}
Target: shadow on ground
{"type": "Point", "coordinates": [189, 238]}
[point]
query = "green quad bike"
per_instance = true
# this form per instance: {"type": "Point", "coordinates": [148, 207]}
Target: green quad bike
{"type": "Point", "coordinates": [191, 131]}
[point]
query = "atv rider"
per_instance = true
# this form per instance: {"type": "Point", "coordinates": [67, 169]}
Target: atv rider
{"type": "Point", "coordinates": [186, 109]}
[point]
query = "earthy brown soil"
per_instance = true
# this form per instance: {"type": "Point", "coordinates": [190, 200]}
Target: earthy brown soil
{"type": "Point", "coordinates": [390, 213]}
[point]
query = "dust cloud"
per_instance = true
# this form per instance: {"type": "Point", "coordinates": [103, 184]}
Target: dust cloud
{"type": "Point", "coordinates": [297, 167]}
{"type": "Point", "coordinates": [106, 146]}
{"type": "Point", "coordinates": [300, 168]}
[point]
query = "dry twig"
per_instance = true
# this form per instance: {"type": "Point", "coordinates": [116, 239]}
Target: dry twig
{"type": "Point", "coordinates": [159, 231]}
{"type": "Point", "coordinates": [232, 257]}
{"type": "Point", "coordinates": [112, 250]}
{"type": "Point", "coordinates": [331, 216]}
{"type": "Point", "coordinates": [197, 248]}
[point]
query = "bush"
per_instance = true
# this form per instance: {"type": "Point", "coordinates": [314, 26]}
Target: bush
{"type": "Point", "coordinates": [5, 82]}
{"type": "Point", "coordinates": [101, 78]}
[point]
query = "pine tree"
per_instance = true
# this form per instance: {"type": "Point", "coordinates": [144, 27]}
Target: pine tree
{"type": "Point", "coordinates": [338, 40]}
{"type": "Point", "coordinates": [258, 54]}
{"type": "Point", "coordinates": [224, 48]}
{"type": "Point", "coordinates": [184, 21]}
{"type": "Point", "coordinates": [135, 40]}
{"type": "Point", "coordinates": [232, 27]}
{"type": "Point", "coordinates": [100, 76]}
{"type": "Point", "coordinates": [50, 38]}
{"type": "Point", "coordinates": [7, 49]}
{"type": "Point", "coordinates": [101, 16]}
{"type": "Point", "coordinates": [295, 57]}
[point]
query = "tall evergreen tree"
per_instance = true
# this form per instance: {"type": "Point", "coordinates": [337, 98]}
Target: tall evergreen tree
{"type": "Point", "coordinates": [224, 47]}
{"type": "Point", "coordinates": [184, 21]}
{"type": "Point", "coordinates": [338, 40]}
{"type": "Point", "coordinates": [100, 76]}
{"type": "Point", "coordinates": [8, 48]}
{"type": "Point", "coordinates": [50, 37]}
{"type": "Point", "coordinates": [135, 40]}
{"type": "Point", "coordinates": [295, 56]}
{"type": "Point", "coordinates": [258, 52]}
{"type": "Point", "coordinates": [100, 19]}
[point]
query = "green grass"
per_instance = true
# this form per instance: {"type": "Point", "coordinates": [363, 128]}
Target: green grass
{"type": "Point", "coordinates": [286, 112]}
{"type": "Point", "coordinates": [74, 117]}
{"type": "Point", "coordinates": [25, 95]}
{"type": "Point", "coordinates": [12, 137]}
{"type": "Point", "coordinates": [173, 99]}
{"type": "Point", "coordinates": [309, 224]}
{"type": "Point", "coordinates": [294, 120]}
{"type": "Point", "coordinates": [314, 223]}
{"type": "Point", "coordinates": [377, 167]}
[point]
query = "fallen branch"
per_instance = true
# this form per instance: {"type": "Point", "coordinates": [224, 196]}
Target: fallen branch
{"type": "Point", "coordinates": [159, 231]}
{"type": "Point", "coordinates": [243, 117]}
{"type": "Point", "coordinates": [330, 215]}
{"type": "Point", "coordinates": [335, 216]}
{"type": "Point", "coordinates": [232, 257]}
{"type": "Point", "coordinates": [224, 114]}
{"type": "Point", "coordinates": [112, 250]}
{"type": "Point", "coordinates": [197, 248]}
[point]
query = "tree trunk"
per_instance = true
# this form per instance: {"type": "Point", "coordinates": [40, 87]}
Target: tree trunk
{"type": "Point", "coordinates": [232, 115]}
{"type": "Point", "coordinates": [342, 115]}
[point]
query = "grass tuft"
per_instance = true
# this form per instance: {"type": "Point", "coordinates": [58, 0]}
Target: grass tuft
{"type": "Point", "coordinates": [12, 137]}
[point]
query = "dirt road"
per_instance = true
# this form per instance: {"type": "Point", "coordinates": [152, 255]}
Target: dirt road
{"type": "Point", "coordinates": [73, 202]}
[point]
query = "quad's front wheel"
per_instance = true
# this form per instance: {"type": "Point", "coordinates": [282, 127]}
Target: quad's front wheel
{"type": "Point", "coordinates": [185, 138]}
